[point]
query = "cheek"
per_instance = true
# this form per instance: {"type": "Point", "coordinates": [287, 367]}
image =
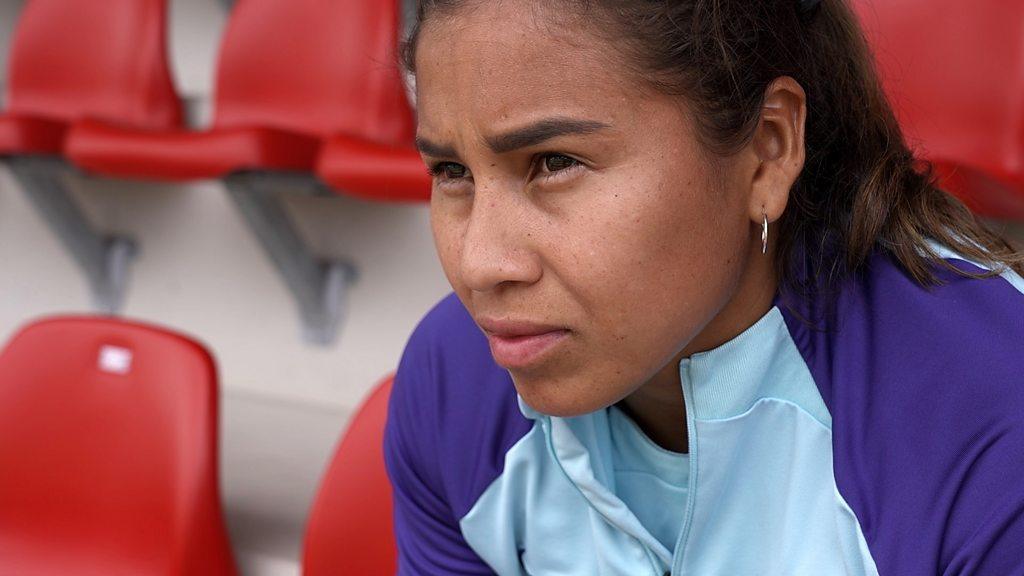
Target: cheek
{"type": "Point", "coordinates": [448, 232]}
{"type": "Point", "coordinates": [655, 242]}
{"type": "Point", "coordinates": [652, 263]}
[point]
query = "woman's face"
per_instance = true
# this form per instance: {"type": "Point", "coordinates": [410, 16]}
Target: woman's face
{"type": "Point", "coordinates": [574, 211]}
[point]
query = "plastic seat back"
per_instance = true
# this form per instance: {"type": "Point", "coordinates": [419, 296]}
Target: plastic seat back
{"type": "Point", "coordinates": [108, 447]}
{"type": "Point", "coordinates": [104, 59]}
{"type": "Point", "coordinates": [317, 67]}
{"type": "Point", "coordinates": [954, 72]}
{"type": "Point", "coordinates": [350, 529]}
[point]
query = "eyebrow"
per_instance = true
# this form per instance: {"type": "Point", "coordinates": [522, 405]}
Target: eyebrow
{"type": "Point", "coordinates": [529, 135]}
{"type": "Point", "coordinates": [542, 131]}
{"type": "Point", "coordinates": [436, 150]}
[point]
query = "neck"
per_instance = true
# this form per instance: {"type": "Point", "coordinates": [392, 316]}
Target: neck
{"type": "Point", "coordinates": [657, 407]}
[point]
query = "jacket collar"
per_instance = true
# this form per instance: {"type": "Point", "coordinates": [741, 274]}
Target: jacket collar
{"type": "Point", "coordinates": [727, 380]}
{"type": "Point", "coordinates": [718, 383]}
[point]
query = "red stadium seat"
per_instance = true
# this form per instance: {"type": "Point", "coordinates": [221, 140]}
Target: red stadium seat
{"type": "Point", "coordinates": [184, 155]}
{"type": "Point", "coordinates": [350, 525]}
{"type": "Point", "coordinates": [954, 72]}
{"type": "Point", "coordinates": [290, 74]}
{"type": "Point", "coordinates": [108, 447]}
{"type": "Point", "coordinates": [101, 59]}
{"type": "Point", "coordinates": [374, 171]}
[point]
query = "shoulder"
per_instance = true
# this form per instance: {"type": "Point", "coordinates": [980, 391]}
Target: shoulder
{"type": "Point", "coordinates": [454, 406]}
{"type": "Point", "coordinates": [883, 326]}
{"type": "Point", "coordinates": [925, 386]}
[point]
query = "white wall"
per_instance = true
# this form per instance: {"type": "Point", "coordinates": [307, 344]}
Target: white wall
{"type": "Point", "coordinates": [196, 27]}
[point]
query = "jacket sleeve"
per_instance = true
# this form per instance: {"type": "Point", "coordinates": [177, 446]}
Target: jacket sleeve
{"type": "Point", "coordinates": [925, 388]}
{"type": "Point", "coordinates": [986, 525]}
{"type": "Point", "coordinates": [427, 533]}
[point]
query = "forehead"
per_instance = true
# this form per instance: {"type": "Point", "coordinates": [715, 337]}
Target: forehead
{"type": "Point", "coordinates": [505, 62]}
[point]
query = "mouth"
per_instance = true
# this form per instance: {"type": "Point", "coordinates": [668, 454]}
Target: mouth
{"type": "Point", "coordinates": [518, 345]}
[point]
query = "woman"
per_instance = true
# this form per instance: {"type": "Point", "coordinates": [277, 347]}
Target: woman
{"type": "Point", "coordinates": [710, 316]}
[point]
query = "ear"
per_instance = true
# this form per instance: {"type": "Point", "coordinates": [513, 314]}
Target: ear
{"type": "Point", "coordinates": [778, 144]}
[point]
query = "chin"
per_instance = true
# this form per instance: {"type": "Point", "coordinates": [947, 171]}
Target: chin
{"type": "Point", "coordinates": [561, 397]}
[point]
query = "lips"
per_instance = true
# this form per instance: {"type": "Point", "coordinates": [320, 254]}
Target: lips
{"type": "Point", "coordinates": [520, 344]}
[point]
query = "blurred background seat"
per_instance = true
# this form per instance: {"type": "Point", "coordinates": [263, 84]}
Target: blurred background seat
{"type": "Point", "coordinates": [954, 72]}
{"type": "Point", "coordinates": [354, 165]}
{"type": "Point", "coordinates": [116, 150]}
{"type": "Point", "coordinates": [108, 446]}
{"type": "Point", "coordinates": [23, 134]}
{"type": "Point", "coordinates": [350, 525]}
{"type": "Point", "coordinates": [290, 73]}
{"type": "Point", "coordinates": [103, 59]}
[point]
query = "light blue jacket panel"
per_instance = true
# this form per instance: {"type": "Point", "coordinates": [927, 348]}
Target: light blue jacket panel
{"type": "Point", "coordinates": [762, 499]}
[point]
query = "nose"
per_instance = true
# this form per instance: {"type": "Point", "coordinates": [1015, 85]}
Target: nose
{"type": "Point", "coordinates": [497, 248]}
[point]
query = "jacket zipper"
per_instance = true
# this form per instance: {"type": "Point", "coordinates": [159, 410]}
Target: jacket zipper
{"type": "Point", "coordinates": [691, 492]}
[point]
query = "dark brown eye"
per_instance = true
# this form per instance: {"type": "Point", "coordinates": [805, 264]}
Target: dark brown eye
{"type": "Point", "coordinates": [556, 162]}
{"type": "Point", "coordinates": [450, 170]}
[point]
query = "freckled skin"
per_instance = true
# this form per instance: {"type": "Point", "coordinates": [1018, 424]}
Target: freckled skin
{"type": "Point", "coordinates": [645, 249]}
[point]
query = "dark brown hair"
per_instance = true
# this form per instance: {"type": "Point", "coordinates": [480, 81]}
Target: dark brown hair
{"type": "Point", "coordinates": [861, 189]}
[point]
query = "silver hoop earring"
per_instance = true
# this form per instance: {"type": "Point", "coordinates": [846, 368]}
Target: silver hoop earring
{"type": "Point", "coordinates": [764, 234]}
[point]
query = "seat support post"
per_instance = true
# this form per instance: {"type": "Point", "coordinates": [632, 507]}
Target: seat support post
{"type": "Point", "coordinates": [318, 286]}
{"type": "Point", "coordinates": [105, 259]}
